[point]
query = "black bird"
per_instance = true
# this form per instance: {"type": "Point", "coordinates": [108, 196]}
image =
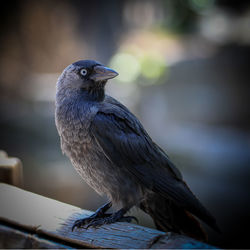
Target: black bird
{"type": "Point", "coordinates": [113, 153]}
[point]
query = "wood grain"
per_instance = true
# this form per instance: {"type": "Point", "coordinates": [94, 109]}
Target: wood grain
{"type": "Point", "coordinates": [14, 238]}
{"type": "Point", "coordinates": [46, 217]}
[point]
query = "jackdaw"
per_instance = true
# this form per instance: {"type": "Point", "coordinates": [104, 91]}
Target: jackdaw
{"type": "Point", "coordinates": [113, 153]}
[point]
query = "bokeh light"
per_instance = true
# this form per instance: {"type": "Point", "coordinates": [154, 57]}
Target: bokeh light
{"type": "Point", "coordinates": [201, 5]}
{"type": "Point", "coordinates": [127, 65]}
{"type": "Point", "coordinates": [152, 66]}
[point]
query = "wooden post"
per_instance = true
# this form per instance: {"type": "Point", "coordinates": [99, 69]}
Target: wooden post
{"type": "Point", "coordinates": [28, 220]}
{"type": "Point", "coordinates": [11, 170]}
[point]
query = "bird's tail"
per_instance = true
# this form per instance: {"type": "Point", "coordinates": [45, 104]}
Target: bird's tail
{"type": "Point", "coordinates": [169, 217]}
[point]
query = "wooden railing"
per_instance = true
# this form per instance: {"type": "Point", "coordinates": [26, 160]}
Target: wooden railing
{"type": "Point", "coordinates": [29, 220]}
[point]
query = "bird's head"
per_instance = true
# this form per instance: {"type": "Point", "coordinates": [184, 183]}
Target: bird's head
{"type": "Point", "coordinates": [86, 76]}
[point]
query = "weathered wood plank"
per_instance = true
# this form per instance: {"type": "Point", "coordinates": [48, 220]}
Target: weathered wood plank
{"type": "Point", "coordinates": [11, 170]}
{"type": "Point", "coordinates": [44, 216]}
{"type": "Point", "coordinates": [173, 240]}
{"type": "Point", "coordinates": [13, 238]}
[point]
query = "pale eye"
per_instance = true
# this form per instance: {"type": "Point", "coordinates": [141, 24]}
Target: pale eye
{"type": "Point", "coordinates": [83, 72]}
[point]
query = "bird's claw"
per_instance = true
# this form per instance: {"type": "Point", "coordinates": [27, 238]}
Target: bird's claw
{"type": "Point", "coordinates": [80, 223]}
{"type": "Point", "coordinates": [109, 220]}
{"type": "Point", "coordinates": [97, 221]}
{"type": "Point", "coordinates": [83, 222]}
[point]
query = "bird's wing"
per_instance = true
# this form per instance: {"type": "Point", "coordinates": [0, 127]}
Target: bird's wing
{"type": "Point", "coordinates": [126, 144]}
{"type": "Point", "coordinates": [119, 110]}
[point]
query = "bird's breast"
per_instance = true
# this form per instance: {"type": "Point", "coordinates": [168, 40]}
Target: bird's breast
{"type": "Point", "coordinates": [88, 158]}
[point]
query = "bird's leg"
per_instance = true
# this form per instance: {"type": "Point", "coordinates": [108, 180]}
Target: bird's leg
{"type": "Point", "coordinates": [115, 217]}
{"type": "Point", "coordinates": [99, 213]}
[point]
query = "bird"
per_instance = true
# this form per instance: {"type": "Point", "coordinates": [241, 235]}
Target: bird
{"type": "Point", "coordinates": [110, 149]}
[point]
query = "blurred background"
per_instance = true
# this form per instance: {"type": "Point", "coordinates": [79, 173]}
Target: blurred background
{"type": "Point", "coordinates": [184, 71]}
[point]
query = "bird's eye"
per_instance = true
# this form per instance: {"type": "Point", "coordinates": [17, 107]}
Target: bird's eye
{"type": "Point", "coordinates": [83, 72]}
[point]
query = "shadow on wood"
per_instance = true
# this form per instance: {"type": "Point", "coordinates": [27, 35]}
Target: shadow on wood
{"type": "Point", "coordinates": [29, 220]}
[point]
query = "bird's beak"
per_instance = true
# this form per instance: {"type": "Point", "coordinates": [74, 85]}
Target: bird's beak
{"type": "Point", "coordinates": [102, 73]}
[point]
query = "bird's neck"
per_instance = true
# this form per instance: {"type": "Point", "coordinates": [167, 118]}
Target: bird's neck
{"type": "Point", "coordinates": [94, 94]}
{"type": "Point", "coordinates": [65, 95]}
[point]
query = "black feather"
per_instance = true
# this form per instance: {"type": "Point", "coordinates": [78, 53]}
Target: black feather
{"type": "Point", "coordinates": [127, 144]}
